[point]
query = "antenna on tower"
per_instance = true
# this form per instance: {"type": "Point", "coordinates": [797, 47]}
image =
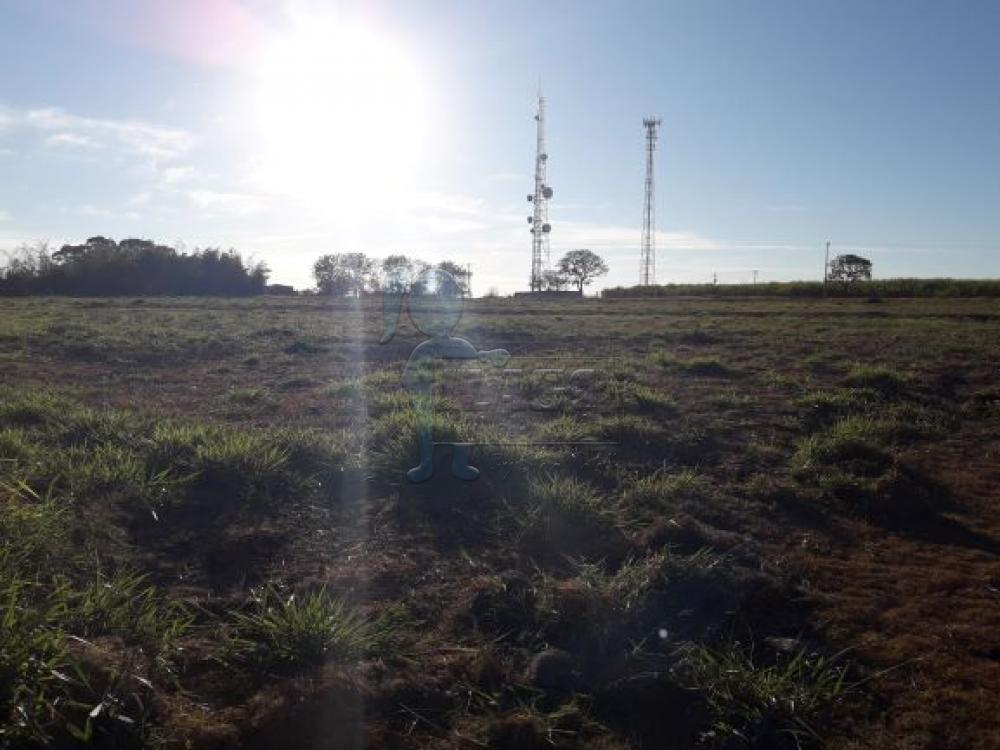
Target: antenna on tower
{"type": "Point", "coordinates": [539, 220]}
{"type": "Point", "coordinates": [647, 260]}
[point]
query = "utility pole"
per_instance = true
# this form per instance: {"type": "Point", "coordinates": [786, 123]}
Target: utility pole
{"type": "Point", "coordinates": [755, 277]}
{"type": "Point", "coordinates": [647, 260]}
{"type": "Point", "coordinates": [539, 220]}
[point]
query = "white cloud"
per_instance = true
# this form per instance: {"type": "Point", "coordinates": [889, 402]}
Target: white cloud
{"type": "Point", "coordinates": [452, 203]}
{"type": "Point", "coordinates": [71, 140]}
{"type": "Point", "coordinates": [139, 199]}
{"type": "Point", "coordinates": [450, 225]}
{"type": "Point", "coordinates": [178, 175]}
{"type": "Point", "coordinates": [216, 202]}
{"type": "Point", "coordinates": [508, 177]}
{"type": "Point", "coordinates": [131, 136]}
{"type": "Point", "coordinates": [4, 216]}
{"type": "Point", "coordinates": [88, 209]}
{"type": "Point", "coordinates": [617, 237]}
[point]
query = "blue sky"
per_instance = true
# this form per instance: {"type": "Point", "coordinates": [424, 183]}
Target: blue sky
{"type": "Point", "coordinates": [292, 129]}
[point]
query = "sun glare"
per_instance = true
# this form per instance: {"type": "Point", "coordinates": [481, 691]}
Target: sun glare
{"type": "Point", "coordinates": [341, 113]}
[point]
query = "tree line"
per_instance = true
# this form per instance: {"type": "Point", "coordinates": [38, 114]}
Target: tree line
{"type": "Point", "coordinates": [355, 274]}
{"type": "Point", "coordinates": [874, 290]}
{"type": "Point", "coordinates": [101, 267]}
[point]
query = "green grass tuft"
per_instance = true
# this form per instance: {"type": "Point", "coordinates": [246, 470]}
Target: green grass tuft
{"type": "Point", "coordinates": [639, 397]}
{"type": "Point", "coordinates": [125, 605]}
{"type": "Point", "coordinates": [244, 401]}
{"type": "Point", "coordinates": [706, 367]}
{"type": "Point", "coordinates": [568, 500]}
{"type": "Point", "coordinates": [35, 671]}
{"type": "Point", "coordinates": [661, 491]}
{"type": "Point", "coordinates": [887, 381]}
{"type": "Point", "coordinates": [755, 705]}
{"type": "Point", "coordinates": [308, 629]}
{"type": "Point", "coordinates": [244, 464]}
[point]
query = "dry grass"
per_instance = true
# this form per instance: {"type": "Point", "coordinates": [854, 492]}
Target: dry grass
{"type": "Point", "coordinates": [770, 470]}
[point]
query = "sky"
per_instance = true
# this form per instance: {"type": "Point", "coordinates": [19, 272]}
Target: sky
{"type": "Point", "coordinates": [292, 129]}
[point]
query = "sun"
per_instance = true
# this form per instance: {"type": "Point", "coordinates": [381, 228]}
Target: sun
{"type": "Point", "coordinates": [341, 115]}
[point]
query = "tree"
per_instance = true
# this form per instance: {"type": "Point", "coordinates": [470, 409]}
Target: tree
{"type": "Point", "coordinates": [346, 274]}
{"type": "Point", "coordinates": [850, 268]}
{"type": "Point", "coordinates": [400, 261]}
{"type": "Point", "coordinates": [461, 273]}
{"type": "Point", "coordinates": [400, 272]}
{"type": "Point", "coordinates": [554, 281]}
{"type": "Point", "coordinates": [582, 267]}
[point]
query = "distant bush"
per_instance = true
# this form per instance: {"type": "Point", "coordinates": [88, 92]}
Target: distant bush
{"type": "Point", "coordinates": [887, 288]}
{"type": "Point", "coordinates": [101, 267]}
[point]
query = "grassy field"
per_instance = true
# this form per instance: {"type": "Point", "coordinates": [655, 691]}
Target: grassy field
{"type": "Point", "coordinates": [771, 523]}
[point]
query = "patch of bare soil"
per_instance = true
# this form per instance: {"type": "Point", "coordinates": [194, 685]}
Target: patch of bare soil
{"type": "Point", "coordinates": [921, 601]}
